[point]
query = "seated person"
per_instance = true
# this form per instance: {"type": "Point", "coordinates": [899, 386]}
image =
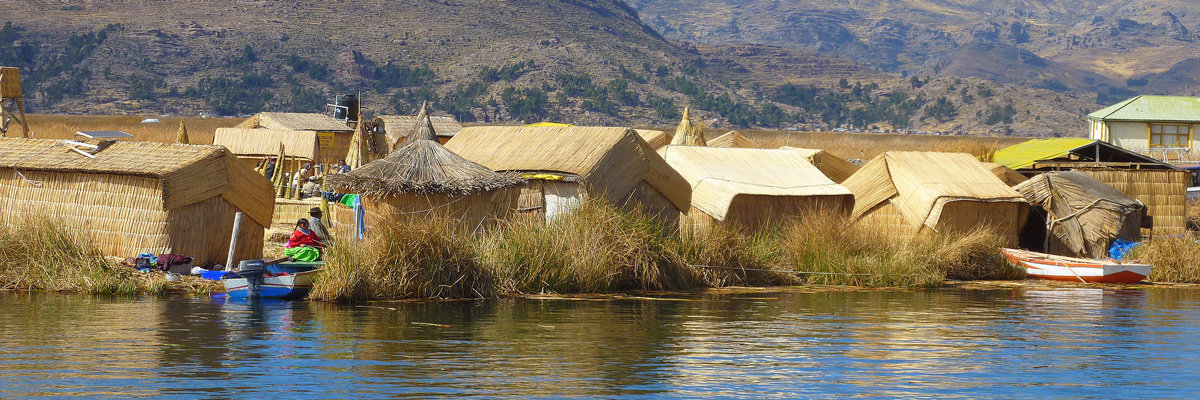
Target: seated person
{"type": "Point", "coordinates": [304, 245]}
{"type": "Point", "coordinates": [311, 189]}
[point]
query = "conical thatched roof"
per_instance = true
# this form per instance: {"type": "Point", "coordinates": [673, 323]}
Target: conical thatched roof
{"type": "Point", "coordinates": [423, 130]}
{"type": "Point", "coordinates": [688, 133]}
{"type": "Point", "coordinates": [421, 166]}
{"type": "Point", "coordinates": [182, 135]}
{"type": "Point", "coordinates": [356, 156]}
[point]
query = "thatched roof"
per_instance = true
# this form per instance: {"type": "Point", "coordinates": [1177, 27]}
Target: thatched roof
{"type": "Point", "coordinates": [421, 166]}
{"type": "Point", "coordinates": [836, 168]}
{"type": "Point", "coordinates": [720, 175]}
{"type": "Point", "coordinates": [397, 127]}
{"type": "Point", "coordinates": [655, 138]}
{"type": "Point", "coordinates": [265, 142]}
{"type": "Point", "coordinates": [1006, 174]}
{"type": "Point", "coordinates": [688, 133]}
{"type": "Point", "coordinates": [295, 122]}
{"type": "Point", "coordinates": [1086, 214]}
{"type": "Point", "coordinates": [189, 173]}
{"type": "Point", "coordinates": [610, 161]}
{"type": "Point", "coordinates": [423, 130]}
{"type": "Point", "coordinates": [733, 139]}
{"type": "Point", "coordinates": [920, 183]}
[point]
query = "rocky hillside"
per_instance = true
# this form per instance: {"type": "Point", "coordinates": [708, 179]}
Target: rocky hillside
{"type": "Point", "coordinates": [1063, 45]}
{"type": "Point", "coordinates": [582, 61]}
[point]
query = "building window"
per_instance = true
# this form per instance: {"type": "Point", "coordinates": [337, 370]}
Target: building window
{"type": "Point", "coordinates": [1162, 135]}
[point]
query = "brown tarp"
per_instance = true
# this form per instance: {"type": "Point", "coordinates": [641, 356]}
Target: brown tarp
{"type": "Point", "coordinates": [1083, 215]}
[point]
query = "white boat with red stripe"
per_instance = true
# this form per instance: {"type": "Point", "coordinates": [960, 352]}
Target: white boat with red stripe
{"type": "Point", "coordinates": [1061, 268]}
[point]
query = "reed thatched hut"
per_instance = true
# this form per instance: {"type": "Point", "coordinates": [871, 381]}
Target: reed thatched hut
{"type": "Point", "coordinates": [423, 177]}
{"type": "Point", "coordinates": [834, 167]}
{"type": "Point", "coordinates": [333, 136]}
{"type": "Point", "coordinates": [908, 192]}
{"type": "Point", "coordinates": [1076, 215]}
{"type": "Point", "coordinates": [567, 162]}
{"type": "Point", "coordinates": [256, 145]}
{"type": "Point", "coordinates": [134, 197]}
{"type": "Point", "coordinates": [733, 139]}
{"type": "Point", "coordinates": [752, 187]}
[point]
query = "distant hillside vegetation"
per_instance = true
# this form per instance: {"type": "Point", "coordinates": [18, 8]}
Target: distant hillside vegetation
{"type": "Point", "coordinates": [1061, 45]}
{"type": "Point", "coordinates": [583, 62]}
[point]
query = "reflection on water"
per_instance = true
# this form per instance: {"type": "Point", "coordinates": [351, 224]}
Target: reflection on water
{"type": "Point", "coordinates": [1067, 342]}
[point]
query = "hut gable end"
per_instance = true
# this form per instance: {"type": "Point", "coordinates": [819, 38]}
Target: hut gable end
{"type": "Point", "coordinates": [616, 159]}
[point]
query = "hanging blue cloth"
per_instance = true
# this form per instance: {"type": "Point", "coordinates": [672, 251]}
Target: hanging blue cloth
{"type": "Point", "coordinates": [360, 226]}
{"type": "Point", "coordinates": [1121, 248]}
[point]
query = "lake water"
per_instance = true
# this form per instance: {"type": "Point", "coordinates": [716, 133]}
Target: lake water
{"type": "Point", "coordinates": [974, 343]}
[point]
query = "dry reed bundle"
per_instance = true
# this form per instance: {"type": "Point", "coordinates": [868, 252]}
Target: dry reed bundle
{"type": "Point", "coordinates": [688, 133]}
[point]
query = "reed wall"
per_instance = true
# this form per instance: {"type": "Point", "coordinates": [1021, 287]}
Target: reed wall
{"type": "Point", "coordinates": [1164, 192]}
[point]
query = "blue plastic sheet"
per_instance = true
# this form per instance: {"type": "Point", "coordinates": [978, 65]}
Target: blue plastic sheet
{"type": "Point", "coordinates": [1121, 248]}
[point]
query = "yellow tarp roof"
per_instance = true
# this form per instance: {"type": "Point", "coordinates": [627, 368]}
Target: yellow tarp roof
{"type": "Point", "coordinates": [547, 123]}
{"type": "Point", "coordinates": [1022, 155]}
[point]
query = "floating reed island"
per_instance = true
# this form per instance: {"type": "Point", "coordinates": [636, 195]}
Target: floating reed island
{"type": "Point", "coordinates": [482, 211]}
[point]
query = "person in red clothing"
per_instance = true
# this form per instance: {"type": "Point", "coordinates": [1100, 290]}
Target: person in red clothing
{"type": "Point", "coordinates": [304, 245]}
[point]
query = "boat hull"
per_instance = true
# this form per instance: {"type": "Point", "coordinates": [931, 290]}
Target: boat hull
{"type": "Point", "coordinates": [289, 286]}
{"type": "Point", "coordinates": [1046, 266]}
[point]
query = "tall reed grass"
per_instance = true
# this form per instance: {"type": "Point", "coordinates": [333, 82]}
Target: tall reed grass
{"type": "Point", "coordinates": [602, 248]}
{"type": "Point", "coordinates": [596, 248]}
{"type": "Point", "coordinates": [415, 257]}
{"type": "Point", "coordinates": [44, 255]}
{"type": "Point", "coordinates": [1175, 259]}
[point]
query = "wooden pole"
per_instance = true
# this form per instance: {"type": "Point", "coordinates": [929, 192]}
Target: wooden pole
{"type": "Point", "coordinates": [24, 125]}
{"type": "Point", "coordinates": [233, 240]}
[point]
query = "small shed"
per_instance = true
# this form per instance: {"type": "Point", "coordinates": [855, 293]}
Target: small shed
{"type": "Point", "coordinates": [255, 145]}
{"type": "Point", "coordinates": [1078, 216]}
{"type": "Point", "coordinates": [753, 187]}
{"type": "Point", "coordinates": [564, 163]}
{"type": "Point", "coordinates": [333, 136]}
{"type": "Point", "coordinates": [834, 167]}
{"type": "Point", "coordinates": [423, 177]}
{"type": "Point", "coordinates": [136, 197]}
{"type": "Point", "coordinates": [1161, 186]}
{"type": "Point", "coordinates": [733, 139]}
{"type": "Point", "coordinates": [907, 192]}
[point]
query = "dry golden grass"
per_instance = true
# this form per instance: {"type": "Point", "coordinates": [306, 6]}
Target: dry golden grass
{"type": "Point", "coordinates": [1176, 259]}
{"type": "Point", "coordinates": [56, 126]}
{"type": "Point", "coordinates": [866, 146]}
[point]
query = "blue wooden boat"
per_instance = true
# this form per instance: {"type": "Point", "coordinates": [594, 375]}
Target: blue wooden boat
{"type": "Point", "coordinates": [257, 278]}
{"type": "Point", "coordinates": [275, 286]}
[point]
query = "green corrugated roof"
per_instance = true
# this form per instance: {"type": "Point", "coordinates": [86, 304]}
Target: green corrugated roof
{"type": "Point", "coordinates": [1022, 155]}
{"type": "Point", "coordinates": [1152, 108]}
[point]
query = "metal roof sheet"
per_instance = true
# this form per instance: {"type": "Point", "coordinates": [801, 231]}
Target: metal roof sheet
{"type": "Point", "coordinates": [1025, 154]}
{"type": "Point", "coordinates": [1151, 108]}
